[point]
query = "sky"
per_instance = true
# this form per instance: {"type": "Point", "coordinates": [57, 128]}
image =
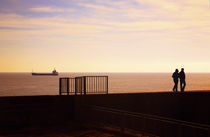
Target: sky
{"type": "Point", "coordinates": [104, 35]}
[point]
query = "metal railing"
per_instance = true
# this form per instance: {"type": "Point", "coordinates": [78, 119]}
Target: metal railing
{"type": "Point", "coordinates": [84, 85]}
{"type": "Point", "coordinates": [66, 86]}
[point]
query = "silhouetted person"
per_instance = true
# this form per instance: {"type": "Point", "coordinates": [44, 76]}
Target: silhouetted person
{"type": "Point", "coordinates": [175, 78]}
{"type": "Point", "coordinates": [182, 80]}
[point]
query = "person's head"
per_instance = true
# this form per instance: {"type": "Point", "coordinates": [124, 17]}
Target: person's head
{"type": "Point", "coordinates": [182, 69]}
{"type": "Point", "coordinates": [176, 70]}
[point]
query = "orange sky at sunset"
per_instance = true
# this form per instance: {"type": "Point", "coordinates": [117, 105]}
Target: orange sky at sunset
{"type": "Point", "coordinates": [104, 36]}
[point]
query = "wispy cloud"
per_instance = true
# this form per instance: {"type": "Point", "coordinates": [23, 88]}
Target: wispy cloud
{"type": "Point", "coordinates": [50, 9]}
{"type": "Point", "coordinates": [96, 7]}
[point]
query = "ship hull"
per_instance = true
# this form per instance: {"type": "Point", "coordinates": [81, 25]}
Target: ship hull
{"type": "Point", "coordinates": [45, 74]}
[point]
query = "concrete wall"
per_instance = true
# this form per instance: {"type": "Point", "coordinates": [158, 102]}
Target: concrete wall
{"type": "Point", "coordinates": [158, 114]}
{"type": "Point", "coordinates": [44, 110]}
{"type": "Point", "coordinates": [35, 110]}
{"type": "Point", "coordinates": [191, 106]}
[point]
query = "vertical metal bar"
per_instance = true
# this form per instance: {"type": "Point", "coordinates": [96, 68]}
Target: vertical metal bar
{"type": "Point", "coordinates": [99, 81]}
{"type": "Point", "coordinates": [73, 83]}
{"type": "Point", "coordinates": [79, 81]}
{"type": "Point", "coordinates": [100, 84]}
{"type": "Point", "coordinates": [67, 86]}
{"type": "Point", "coordinates": [70, 85]}
{"type": "Point", "coordinates": [80, 85]}
{"type": "Point", "coordinates": [84, 85]}
{"type": "Point", "coordinates": [87, 84]}
{"type": "Point", "coordinates": [107, 85]}
{"type": "Point", "coordinates": [60, 86]}
{"type": "Point", "coordinates": [103, 85]}
{"type": "Point", "coordinates": [75, 86]}
{"type": "Point", "coordinates": [93, 84]}
{"type": "Point", "coordinates": [96, 84]}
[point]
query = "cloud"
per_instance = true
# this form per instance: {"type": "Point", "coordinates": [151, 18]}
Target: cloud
{"type": "Point", "coordinates": [96, 7]}
{"type": "Point", "coordinates": [50, 9]}
{"type": "Point", "coordinates": [125, 23]}
{"type": "Point", "coordinates": [14, 27]}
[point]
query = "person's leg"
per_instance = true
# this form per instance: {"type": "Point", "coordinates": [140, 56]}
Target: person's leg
{"type": "Point", "coordinates": [180, 85]}
{"type": "Point", "coordinates": [174, 88]}
{"type": "Point", "coordinates": [184, 84]}
{"type": "Point", "coordinates": [176, 85]}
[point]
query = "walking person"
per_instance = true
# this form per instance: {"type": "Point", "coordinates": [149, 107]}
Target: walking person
{"type": "Point", "coordinates": [182, 80]}
{"type": "Point", "coordinates": [175, 77]}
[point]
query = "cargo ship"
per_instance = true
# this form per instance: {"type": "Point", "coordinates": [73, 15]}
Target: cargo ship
{"type": "Point", "coordinates": [54, 73]}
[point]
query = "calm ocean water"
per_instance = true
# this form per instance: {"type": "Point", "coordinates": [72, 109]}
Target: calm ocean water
{"type": "Point", "coordinates": [21, 84]}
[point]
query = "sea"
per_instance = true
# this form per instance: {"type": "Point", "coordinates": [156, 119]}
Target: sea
{"type": "Point", "coordinates": [24, 84]}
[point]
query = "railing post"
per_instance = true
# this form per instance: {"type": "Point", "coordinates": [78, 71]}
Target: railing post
{"type": "Point", "coordinates": [67, 86]}
{"type": "Point", "coordinates": [84, 85]}
{"type": "Point", "coordinates": [80, 85]}
{"type": "Point", "coordinates": [107, 85]}
{"type": "Point", "coordinates": [75, 86]}
{"type": "Point", "coordinates": [60, 86]}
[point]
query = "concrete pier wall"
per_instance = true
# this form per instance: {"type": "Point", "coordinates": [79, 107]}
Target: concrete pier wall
{"type": "Point", "coordinates": [159, 114]}
{"type": "Point", "coordinates": [35, 110]}
{"type": "Point", "coordinates": [191, 107]}
{"type": "Point", "coordinates": [47, 110]}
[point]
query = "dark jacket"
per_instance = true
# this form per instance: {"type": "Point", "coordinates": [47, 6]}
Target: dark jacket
{"type": "Point", "coordinates": [182, 75]}
{"type": "Point", "coordinates": [175, 76]}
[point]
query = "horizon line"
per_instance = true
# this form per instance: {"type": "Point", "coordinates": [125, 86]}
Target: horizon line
{"type": "Point", "coordinates": [107, 72]}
